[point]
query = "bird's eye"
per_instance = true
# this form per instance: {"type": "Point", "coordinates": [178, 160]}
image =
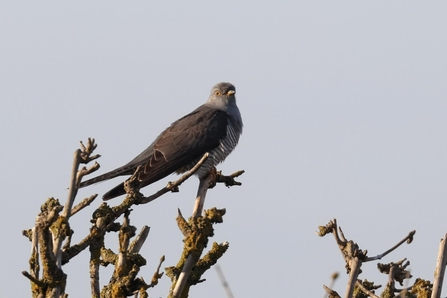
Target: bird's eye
{"type": "Point", "coordinates": [217, 93]}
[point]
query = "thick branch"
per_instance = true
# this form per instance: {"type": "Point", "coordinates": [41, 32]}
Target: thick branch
{"type": "Point", "coordinates": [354, 265]}
{"type": "Point", "coordinates": [191, 260]}
{"type": "Point", "coordinates": [440, 268]}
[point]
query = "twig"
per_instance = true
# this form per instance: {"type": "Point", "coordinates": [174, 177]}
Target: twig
{"type": "Point", "coordinates": [331, 293]}
{"type": "Point", "coordinates": [32, 278]}
{"type": "Point", "coordinates": [440, 269]}
{"type": "Point", "coordinates": [138, 242]}
{"type": "Point", "coordinates": [223, 281]}
{"type": "Point", "coordinates": [229, 180]}
{"type": "Point", "coordinates": [157, 275]}
{"type": "Point", "coordinates": [408, 239]}
{"type": "Point", "coordinates": [84, 171]}
{"type": "Point", "coordinates": [403, 292]}
{"type": "Point", "coordinates": [84, 203]}
{"type": "Point", "coordinates": [334, 277]}
{"type": "Point", "coordinates": [172, 186]}
{"type": "Point", "coordinates": [365, 290]}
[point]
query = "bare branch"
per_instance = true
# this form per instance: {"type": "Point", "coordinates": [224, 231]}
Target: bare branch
{"type": "Point", "coordinates": [86, 171]}
{"type": "Point", "coordinates": [87, 151]}
{"type": "Point", "coordinates": [197, 231]}
{"type": "Point", "coordinates": [84, 203]}
{"type": "Point", "coordinates": [191, 260]}
{"type": "Point", "coordinates": [365, 290]}
{"type": "Point", "coordinates": [33, 279]}
{"type": "Point", "coordinates": [408, 239]}
{"type": "Point", "coordinates": [157, 275]}
{"type": "Point", "coordinates": [52, 230]}
{"type": "Point", "coordinates": [72, 191]}
{"type": "Point", "coordinates": [228, 180]}
{"type": "Point", "coordinates": [331, 293]}
{"type": "Point", "coordinates": [173, 186]}
{"type": "Point", "coordinates": [223, 281]}
{"type": "Point", "coordinates": [354, 264]}
{"type": "Point", "coordinates": [34, 260]}
{"type": "Point", "coordinates": [354, 257]}
{"type": "Point", "coordinates": [138, 242]}
{"type": "Point", "coordinates": [334, 277]}
{"type": "Point", "coordinates": [440, 269]}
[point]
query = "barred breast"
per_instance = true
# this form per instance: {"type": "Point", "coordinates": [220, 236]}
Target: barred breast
{"type": "Point", "coordinates": [218, 154]}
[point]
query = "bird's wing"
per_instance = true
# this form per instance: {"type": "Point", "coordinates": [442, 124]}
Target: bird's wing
{"type": "Point", "coordinates": [182, 143]}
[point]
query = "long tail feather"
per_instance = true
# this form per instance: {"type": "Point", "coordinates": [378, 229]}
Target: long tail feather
{"type": "Point", "coordinates": [114, 192]}
{"type": "Point", "coordinates": [106, 176]}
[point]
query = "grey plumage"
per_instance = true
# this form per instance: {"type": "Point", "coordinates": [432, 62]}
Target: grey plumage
{"type": "Point", "coordinates": [214, 127]}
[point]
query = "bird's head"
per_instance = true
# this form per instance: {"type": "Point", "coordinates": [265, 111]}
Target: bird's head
{"type": "Point", "coordinates": [223, 95]}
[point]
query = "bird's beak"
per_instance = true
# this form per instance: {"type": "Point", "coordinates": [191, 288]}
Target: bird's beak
{"type": "Point", "coordinates": [231, 92]}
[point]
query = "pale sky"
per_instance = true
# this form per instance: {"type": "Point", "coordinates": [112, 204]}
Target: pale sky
{"type": "Point", "coordinates": [345, 113]}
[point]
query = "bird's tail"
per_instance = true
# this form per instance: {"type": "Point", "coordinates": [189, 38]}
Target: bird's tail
{"type": "Point", "coordinates": [114, 192]}
{"type": "Point", "coordinates": [106, 176]}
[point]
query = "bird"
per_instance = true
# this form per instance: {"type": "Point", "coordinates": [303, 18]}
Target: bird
{"type": "Point", "coordinates": [214, 127]}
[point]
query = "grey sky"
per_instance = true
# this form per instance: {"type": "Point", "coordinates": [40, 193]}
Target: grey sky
{"type": "Point", "coordinates": [345, 113]}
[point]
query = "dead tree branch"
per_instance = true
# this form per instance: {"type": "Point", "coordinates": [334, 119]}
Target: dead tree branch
{"type": "Point", "coordinates": [52, 230]}
{"type": "Point", "coordinates": [190, 267]}
{"type": "Point", "coordinates": [440, 268]}
{"type": "Point", "coordinates": [354, 257]}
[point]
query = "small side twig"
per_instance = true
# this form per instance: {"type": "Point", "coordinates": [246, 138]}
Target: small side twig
{"type": "Point", "coordinates": [33, 279]}
{"type": "Point", "coordinates": [331, 293]}
{"type": "Point", "coordinates": [408, 239]}
{"type": "Point", "coordinates": [84, 203]}
{"type": "Point", "coordinates": [365, 290]}
{"type": "Point", "coordinates": [228, 180]}
{"type": "Point", "coordinates": [157, 275]}
{"type": "Point", "coordinates": [173, 186]}
{"type": "Point", "coordinates": [223, 281]}
{"type": "Point", "coordinates": [334, 277]}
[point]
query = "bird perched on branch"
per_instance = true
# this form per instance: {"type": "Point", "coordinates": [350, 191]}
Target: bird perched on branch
{"type": "Point", "coordinates": [214, 127]}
